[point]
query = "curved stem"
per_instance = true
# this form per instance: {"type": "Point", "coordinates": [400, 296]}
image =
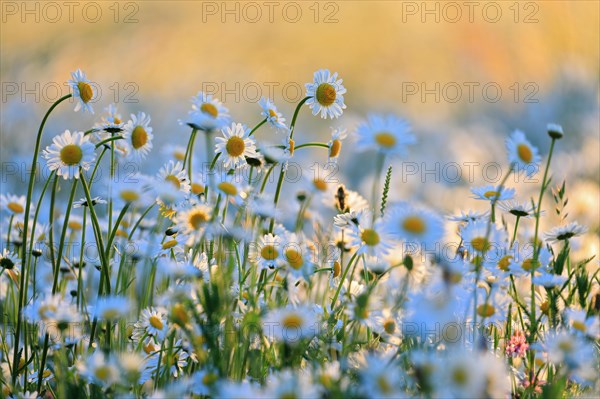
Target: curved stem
{"type": "Point", "coordinates": [255, 128]}
{"type": "Point", "coordinates": [313, 144]}
{"type": "Point", "coordinates": [22, 290]}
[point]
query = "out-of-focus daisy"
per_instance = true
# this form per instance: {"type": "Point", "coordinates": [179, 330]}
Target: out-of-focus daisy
{"type": "Point", "coordinates": [521, 154]}
{"type": "Point", "coordinates": [12, 204]}
{"type": "Point", "coordinates": [267, 254]}
{"type": "Point", "coordinates": [371, 237]}
{"type": "Point", "coordinates": [194, 221]}
{"type": "Point", "coordinates": [335, 144]}
{"type": "Point", "coordinates": [378, 379]}
{"type": "Point", "coordinates": [522, 210]}
{"type": "Point", "coordinates": [175, 152]}
{"type": "Point", "coordinates": [326, 94]}
{"type": "Point", "coordinates": [468, 216]}
{"type": "Point", "coordinates": [290, 324]}
{"type": "Point", "coordinates": [153, 322]}
{"type": "Point", "coordinates": [207, 113]}
{"type": "Point", "coordinates": [345, 200]}
{"type": "Point", "coordinates": [579, 321]}
{"type": "Point", "coordinates": [387, 134]}
{"type": "Point", "coordinates": [274, 117]}
{"type": "Point", "coordinates": [174, 173]}
{"type": "Point", "coordinates": [83, 202]}
{"type": "Point", "coordinates": [82, 91]}
{"type": "Point", "coordinates": [138, 135]}
{"type": "Point", "coordinates": [555, 131]}
{"type": "Point", "coordinates": [480, 237]}
{"type": "Point", "coordinates": [562, 233]}
{"type": "Point", "coordinates": [235, 145]}
{"type": "Point", "coordinates": [415, 225]}
{"type": "Point", "coordinates": [100, 369]}
{"type": "Point", "coordinates": [112, 308]}
{"type": "Point", "coordinates": [230, 186]}
{"type": "Point", "coordinates": [110, 124]}
{"type": "Point", "coordinates": [131, 190]}
{"type": "Point", "coordinates": [493, 193]}
{"type": "Point", "coordinates": [8, 260]}
{"type": "Point", "coordinates": [69, 152]}
{"type": "Point", "coordinates": [297, 256]}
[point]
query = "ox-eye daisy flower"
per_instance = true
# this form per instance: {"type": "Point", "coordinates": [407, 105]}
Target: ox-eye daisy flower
{"type": "Point", "coordinates": [561, 233]}
{"type": "Point", "coordinates": [173, 172]}
{"type": "Point", "coordinates": [138, 135]}
{"type": "Point", "coordinates": [290, 324]}
{"type": "Point", "coordinates": [268, 252]}
{"type": "Point", "coordinates": [481, 237]}
{"type": "Point", "coordinates": [522, 210]}
{"type": "Point", "coordinates": [82, 91]}
{"type": "Point", "coordinates": [335, 144]}
{"type": "Point", "coordinates": [207, 113]}
{"type": "Point", "coordinates": [153, 322]}
{"type": "Point", "coordinates": [68, 152]}
{"type": "Point", "coordinates": [194, 221]}
{"type": "Point", "coordinates": [371, 237]}
{"type": "Point", "coordinates": [415, 225]}
{"type": "Point", "coordinates": [235, 145]}
{"type": "Point", "coordinates": [112, 308]}
{"type": "Point", "coordinates": [326, 94]}
{"type": "Point", "coordinates": [14, 205]}
{"type": "Point", "coordinates": [269, 111]}
{"type": "Point", "coordinates": [387, 134]}
{"type": "Point", "coordinates": [297, 256]}
{"type": "Point", "coordinates": [493, 193]}
{"type": "Point", "coordinates": [521, 154]}
{"type": "Point", "coordinates": [110, 124]}
{"type": "Point", "coordinates": [83, 202]}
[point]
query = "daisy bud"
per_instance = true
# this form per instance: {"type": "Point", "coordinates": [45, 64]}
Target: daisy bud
{"type": "Point", "coordinates": [555, 131]}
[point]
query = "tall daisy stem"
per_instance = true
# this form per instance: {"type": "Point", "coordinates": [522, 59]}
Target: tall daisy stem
{"type": "Point", "coordinates": [22, 287]}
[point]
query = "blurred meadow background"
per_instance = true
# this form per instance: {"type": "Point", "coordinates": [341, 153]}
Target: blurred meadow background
{"type": "Point", "coordinates": [153, 56]}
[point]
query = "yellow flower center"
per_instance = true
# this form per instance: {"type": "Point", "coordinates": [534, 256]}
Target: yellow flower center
{"type": "Point", "coordinates": [486, 310]}
{"type": "Point", "coordinates": [337, 269]}
{"type": "Point", "coordinates": [102, 373]}
{"type": "Point", "coordinates": [370, 237]}
{"type": "Point", "coordinates": [209, 109]}
{"type": "Point", "coordinates": [74, 225]}
{"type": "Point", "coordinates": [46, 373]}
{"type": "Point", "coordinates": [579, 325]}
{"type": "Point", "coordinates": [273, 114]}
{"type": "Point", "coordinates": [326, 94]}
{"type": "Point", "coordinates": [269, 252]}
{"type": "Point", "coordinates": [197, 188]}
{"type": "Point", "coordinates": [209, 378]}
{"type": "Point", "coordinates": [490, 194]}
{"type": "Point", "coordinates": [117, 120]}
{"type": "Point", "coordinates": [384, 385]}
{"type": "Point", "coordinates": [129, 195]}
{"type": "Point", "coordinates": [335, 148]}
{"type": "Point", "coordinates": [110, 314]}
{"type": "Point", "coordinates": [235, 146]}
{"type": "Point", "coordinates": [71, 154]}
{"type": "Point", "coordinates": [155, 322]}
{"type": "Point", "coordinates": [149, 348]}
{"type": "Point", "coordinates": [504, 263]}
{"type": "Point", "coordinates": [320, 184]}
{"type": "Point", "coordinates": [180, 156]}
{"type": "Point", "coordinates": [460, 376]}
{"type": "Point", "coordinates": [139, 137]}
{"type": "Point", "coordinates": [292, 320]}
{"type": "Point", "coordinates": [15, 207]}
{"type": "Point", "coordinates": [179, 313]}
{"type": "Point", "coordinates": [294, 258]}
{"type": "Point", "coordinates": [385, 139]}
{"type": "Point", "coordinates": [85, 92]}
{"type": "Point", "coordinates": [228, 188]}
{"type": "Point", "coordinates": [414, 225]}
{"type": "Point", "coordinates": [525, 153]}
{"type": "Point", "coordinates": [389, 326]}
{"type": "Point", "coordinates": [197, 219]}
{"type": "Point", "coordinates": [480, 244]}
{"type": "Point", "coordinates": [565, 346]}
{"type": "Point", "coordinates": [291, 147]}
{"type": "Point", "coordinates": [529, 264]}
{"type": "Point", "coordinates": [169, 244]}
{"type": "Point", "coordinates": [173, 179]}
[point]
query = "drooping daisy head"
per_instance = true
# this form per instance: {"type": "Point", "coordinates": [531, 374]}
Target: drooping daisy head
{"type": "Point", "coordinates": [335, 144]}
{"type": "Point", "coordinates": [493, 193]}
{"type": "Point", "coordinates": [207, 113]}
{"type": "Point", "coordinates": [522, 155]}
{"type": "Point", "coordinates": [387, 134]}
{"type": "Point", "coordinates": [521, 210]}
{"type": "Point", "coordinates": [326, 94]}
{"type": "Point", "coordinates": [69, 152]}
{"type": "Point", "coordinates": [110, 124]}
{"type": "Point", "coordinates": [82, 91]}
{"type": "Point", "coordinates": [138, 135]}
{"type": "Point", "coordinates": [235, 146]}
{"type": "Point", "coordinates": [274, 117]}
{"type": "Point", "coordinates": [413, 224]}
{"type": "Point", "coordinates": [563, 233]}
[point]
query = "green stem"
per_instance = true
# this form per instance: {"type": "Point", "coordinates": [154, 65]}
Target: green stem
{"type": "Point", "coordinates": [339, 288]}
{"type": "Point", "coordinates": [312, 144]}
{"type": "Point", "coordinates": [255, 128]}
{"type": "Point", "coordinates": [22, 289]}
